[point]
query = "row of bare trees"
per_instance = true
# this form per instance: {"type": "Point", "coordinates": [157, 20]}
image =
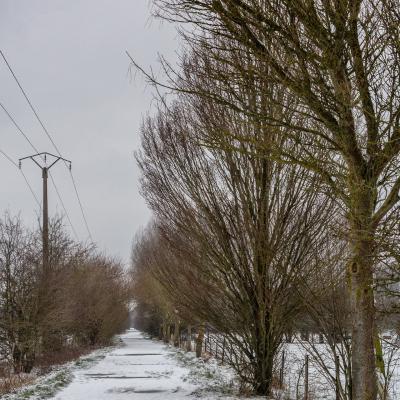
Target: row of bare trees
{"type": "Point", "coordinates": [273, 174]}
{"type": "Point", "coordinates": [238, 236]}
{"type": "Point", "coordinates": [85, 302]}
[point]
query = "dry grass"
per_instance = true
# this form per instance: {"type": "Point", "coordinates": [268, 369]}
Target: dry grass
{"type": "Point", "coordinates": [9, 381]}
{"type": "Point", "coordinates": [12, 382]}
{"type": "Point", "coordinates": [45, 362]}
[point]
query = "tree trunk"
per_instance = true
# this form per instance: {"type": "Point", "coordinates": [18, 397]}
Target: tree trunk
{"type": "Point", "coordinates": [167, 337]}
{"type": "Point", "coordinates": [176, 333]}
{"type": "Point", "coordinates": [164, 331]}
{"type": "Point", "coordinates": [17, 359]}
{"type": "Point", "coordinates": [189, 339]}
{"type": "Point", "coordinates": [263, 374]}
{"type": "Point", "coordinates": [161, 332]}
{"type": "Point", "coordinates": [263, 335]}
{"type": "Point", "coordinates": [264, 354]}
{"type": "Point", "coordinates": [363, 312]}
{"type": "Point", "coordinates": [199, 340]}
{"type": "Point", "coordinates": [28, 361]}
{"type": "Point", "coordinates": [364, 379]}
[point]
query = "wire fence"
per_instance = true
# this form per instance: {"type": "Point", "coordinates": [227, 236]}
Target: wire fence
{"type": "Point", "coordinates": [304, 369]}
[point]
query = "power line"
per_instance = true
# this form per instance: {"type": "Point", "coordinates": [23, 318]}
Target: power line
{"type": "Point", "coordinates": [50, 138]}
{"type": "Point", "coordinates": [23, 175]}
{"type": "Point", "coordinates": [9, 158]}
{"type": "Point", "coordinates": [63, 206]}
{"type": "Point", "coordinates": [80, 205]}
{"type": "Point", "coordinates": [35, 149]}
{"type": "Point", "coordinates": [27, 99]}
{"type": "Point", "coordinates": [18, 127]}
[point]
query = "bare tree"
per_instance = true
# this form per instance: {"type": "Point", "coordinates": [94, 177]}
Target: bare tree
{"type": "Point", "coordinates": [240, 229]}
{"type": "Point", "coordinates": [86, 298]}
{"type": "Point", "coordinates": [18, 294]}
{"type": "Point", "coordinates": [340, 59]}
{"type": "Point", "coordinates": [94, 300]}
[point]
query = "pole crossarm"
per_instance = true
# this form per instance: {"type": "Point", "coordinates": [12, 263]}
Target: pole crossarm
{"type": "Point", "coordinates": [40, 159]}
{"type": "Point", "coordinates": [44, 155]}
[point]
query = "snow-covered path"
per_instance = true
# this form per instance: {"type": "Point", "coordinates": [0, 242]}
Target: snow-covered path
{"type": "Point", "coordinates": [142, 369]}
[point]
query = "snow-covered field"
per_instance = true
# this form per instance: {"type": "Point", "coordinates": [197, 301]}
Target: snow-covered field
{"type": "Point", "coordinates": [322, 370]}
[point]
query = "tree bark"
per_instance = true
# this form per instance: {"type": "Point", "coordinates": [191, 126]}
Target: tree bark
{"type": "Point", "coordinates": [176, 333]}
{"type": "Point", "coordinates": [17, 356]}
{"type": "Point", "coordinates": [28, 361]}
{"type": "Point", "coordinates": [263, 374]}
{"type": "Point", "coordinates": [264, 354]}
{"type": "Point", "coordinates": [364, 379]}
{"type": "Point", "coordinates": [189, 339]}
{"type": "Point", "coordinates": [199, 340]}
{"type": "Point", "coordinates": [363, 356]}
{"type": "Point", "coordinates": [168, 333]}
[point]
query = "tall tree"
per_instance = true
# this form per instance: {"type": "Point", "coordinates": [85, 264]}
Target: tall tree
{"type": "Point", "coordinates": [340, 59]}
{"type": "Point", "coordinates": [243, 227]}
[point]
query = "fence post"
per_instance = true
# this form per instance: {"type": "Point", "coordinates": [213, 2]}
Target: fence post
{"type": "Point", "coordinates": [337, 378]}
{"type": "Point", "coordinates": [306, 379]}
{"type": "Point", "coordinates": [282, 369]}
{"type": "Point", "coordinates": [223, 351]}
{"type": "Point", "coordinates": [188, 343]}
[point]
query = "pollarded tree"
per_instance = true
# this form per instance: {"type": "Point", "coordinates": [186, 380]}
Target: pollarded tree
{"type": "Point", "coordinates": [340, 59]}
{"type": "Point", "coordinates": [243, 228]}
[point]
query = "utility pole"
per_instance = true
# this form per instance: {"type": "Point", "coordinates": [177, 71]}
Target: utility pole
{"type": "Point", "coordinates": [40, 159]}
{"type": "Point", "coordinates": [45, 227]}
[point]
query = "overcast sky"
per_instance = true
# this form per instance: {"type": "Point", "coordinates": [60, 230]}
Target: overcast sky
{"type": "Point", "coordinates": [70, 58]}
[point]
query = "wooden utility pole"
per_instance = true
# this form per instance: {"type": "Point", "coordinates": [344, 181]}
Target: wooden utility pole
{"type": "Point", "coordinates": [40, 159]}
{"type": "Point", "coordinates": [45, 227]}
{"type": "Point", "coordinates": [45, 161]}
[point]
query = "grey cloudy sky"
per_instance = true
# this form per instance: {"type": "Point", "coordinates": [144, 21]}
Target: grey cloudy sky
{"type": "Point", "coordinates": [70, 58]}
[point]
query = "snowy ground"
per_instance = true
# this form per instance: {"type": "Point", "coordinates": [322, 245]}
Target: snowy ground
{"type": "Point", "coordinates": [140, 369]}
{"type": "Point", "coordinates": [143, 369]}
